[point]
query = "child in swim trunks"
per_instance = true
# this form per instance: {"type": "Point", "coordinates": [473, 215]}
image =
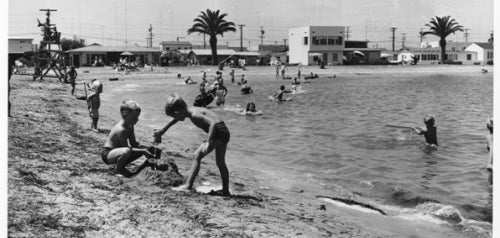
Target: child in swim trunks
{"type": "Point", "coordinates": [279, 94]}
{"type": "Point", "coordinates": [93, 104]}
{"type": "Point", "coordinates": [430, 131]}
{"type": "Point", "coordinates": [218, 138]}
{"type": "Point", "coordinates": [121, 147]}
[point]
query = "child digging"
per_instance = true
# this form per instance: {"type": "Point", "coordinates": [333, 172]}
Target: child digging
{"type": "Point", "coordinates": [121, 148]}
{"type": "Point", "coordinates": [218, 137]}
{"type": "Point", "coordinates": [93, 104]}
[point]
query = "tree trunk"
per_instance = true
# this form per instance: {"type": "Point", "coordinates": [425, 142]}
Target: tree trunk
{"type": "Point", "coordinates": [213, 45]}
{"type": "Point", "coordinates": [442, 44]}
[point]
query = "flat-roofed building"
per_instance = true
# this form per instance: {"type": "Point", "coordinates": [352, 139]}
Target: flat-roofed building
{"type": "Point", "coordinates": [310, 45]}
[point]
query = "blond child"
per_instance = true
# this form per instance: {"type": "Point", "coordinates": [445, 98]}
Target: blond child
{"type": "Point", "coordinates": [121, 147]}
{"type": "Point", "coordinates": [218, 138]}
{"type": "Point", "coordinates": [93, 104]}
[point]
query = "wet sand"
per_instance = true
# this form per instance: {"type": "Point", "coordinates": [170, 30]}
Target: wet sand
{"type": "Point", "coordinates": [58, 185]}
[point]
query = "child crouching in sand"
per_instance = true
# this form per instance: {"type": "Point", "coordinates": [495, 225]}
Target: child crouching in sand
{"type": "Point", "coordinates": [121, 148]}
{"type": "Point", "coordinates": [218, 137]}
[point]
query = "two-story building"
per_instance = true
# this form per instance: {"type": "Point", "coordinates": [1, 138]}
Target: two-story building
{"type": "Point", "coordinates": [311, 45]}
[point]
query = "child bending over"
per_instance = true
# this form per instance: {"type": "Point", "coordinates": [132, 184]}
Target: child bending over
{"type": "Point", "coordinates": [218, 138]}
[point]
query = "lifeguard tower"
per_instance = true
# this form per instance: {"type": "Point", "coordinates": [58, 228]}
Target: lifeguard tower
{"type": "Point", "coordinates": [50, 56]}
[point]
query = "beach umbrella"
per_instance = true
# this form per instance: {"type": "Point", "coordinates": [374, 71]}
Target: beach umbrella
{"type": "Point", "coordinates": [127, 53]}
{"type": "Point", "coordinates": [359, 53]}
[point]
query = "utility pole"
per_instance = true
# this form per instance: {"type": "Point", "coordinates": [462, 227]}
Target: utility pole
{"type": "Point", "coordinates": [421, 35]}
{"type": "Point", "coordinates": [262, 35]}
{"type": "Point", "coordinates": [393, 29]}
{"type": "Point", "coordinates": [404, 39]}
{"type": "Point", "coordinates": [284, 41]}
{"type": "Point", "coordinates": [150, 38]}
{"type": "Point", "coordinates": [466, 34]}
{"type": "Point", "coordinates": [241, 36]}
{"type": "Point", "coordinates": [204, 42]}
{"type": "Point", "coordinates": [347, 31]}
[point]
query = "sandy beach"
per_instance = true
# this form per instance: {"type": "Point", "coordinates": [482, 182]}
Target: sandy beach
{"type": "Point", "coordinates": [58, 185]}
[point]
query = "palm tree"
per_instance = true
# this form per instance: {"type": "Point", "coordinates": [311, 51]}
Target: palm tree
{"type": "Point", "coordinates": [212, 24]}
{"type": "Point", "coordinates": [442, 27]}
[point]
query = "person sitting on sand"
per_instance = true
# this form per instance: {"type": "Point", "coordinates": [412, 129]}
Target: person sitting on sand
{"type": "Point", "coordinates": [278, 95]}
{"type": "Point", "coordinates": [489, 146]}
{"type": "Point", "coordinates": [121, 147]}
{"type": "Point", "coordinates": [93, 104]}
{"type": "Point", "coordinates": [218, 138]}
{"type": "Point", "coordinates": [430, 131]}
{"type": "Point", "coordinates": [245, 88]}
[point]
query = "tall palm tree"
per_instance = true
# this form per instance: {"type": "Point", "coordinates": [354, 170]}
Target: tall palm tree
{"type": "Point", "coordinates": [442, 27]}
{"type": "Point", "coordinates": [212, 23]}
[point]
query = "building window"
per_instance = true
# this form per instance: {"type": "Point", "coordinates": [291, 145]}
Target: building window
{"type": "Point", "coordinates": [489, 55]}
{"type": "Point", "coordinates": [315, 40]}
{"type": "Point", "coordinates": [322, 40]}
{"type": "Point", "coordinates": [469, 57]}
{"type": "Point", "coordinates": [339, 40]}
{"type": "Point", "coordinates": [305, 40]}
{"type": "Point", "coordinates": [168, 48]}
{"type": "Point", "coordinates": [315, 58]}
{"type": "Point", "coordinates": [335, 56]}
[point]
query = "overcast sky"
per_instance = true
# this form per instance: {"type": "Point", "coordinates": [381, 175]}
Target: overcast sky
{"type": "Point", "coordinates": [112, 22]}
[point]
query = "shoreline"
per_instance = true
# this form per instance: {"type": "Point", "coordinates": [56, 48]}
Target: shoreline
{"type": "Point", "coordinates": [70, 179]}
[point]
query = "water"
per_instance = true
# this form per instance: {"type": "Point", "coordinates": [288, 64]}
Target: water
{"type": "Point", "coordinates": [332, 136]}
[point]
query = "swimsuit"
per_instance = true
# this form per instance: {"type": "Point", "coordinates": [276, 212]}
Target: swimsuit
{"type": "Point", "coordinates": [104, 154]}
{"type": "Point", "coordinates": [221, 132]}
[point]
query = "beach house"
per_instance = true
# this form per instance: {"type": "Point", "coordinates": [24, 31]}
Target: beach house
{"type": "Point", "coordinates": [313, 45]}
{"type": "Point", "coordinates": [484, 51]}
{"type": "Point", "coordinates": [108, 55]}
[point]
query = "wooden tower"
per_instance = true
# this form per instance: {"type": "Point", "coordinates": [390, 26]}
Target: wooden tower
{"type": "Point", "coordinates": [50, 56]}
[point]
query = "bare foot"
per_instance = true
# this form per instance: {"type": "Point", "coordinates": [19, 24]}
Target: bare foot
{"type": "Point", "coordinates": [183, 188]}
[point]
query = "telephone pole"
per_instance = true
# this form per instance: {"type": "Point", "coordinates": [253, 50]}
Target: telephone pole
{"type": "Point", "coordinates": [347, 31]}
{"type": "Point", "coordinates": [284, 41]}
{"type": "Point", "coordinates": [241, 36]}
{"type": "Point", "coordinates": [262, 35]}
{"type": "Point", "coordinates": [421, 35]}
{"type": "Point", "coordinates": [150, 38]}
{"type": "Point", "coordinates": [404, 39]}
{"type": "Point", "coordinates": [393, 29]}
{"type": "Point", "coordinates": [466, 34]}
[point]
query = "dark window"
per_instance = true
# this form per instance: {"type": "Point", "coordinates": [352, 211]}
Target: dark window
{"type": "Point", "coordinates": [340, 40]}
{"type": "Point", "coordinates": [315, 58]}
{"type": "Point", "coordinates": [331, 40]}
{"type": "Point", "coordinates": [322, 40]}
{"type": "Point", "coordinates": [305, 40]}
{"type": "Point", "coordinates": [315, 40]}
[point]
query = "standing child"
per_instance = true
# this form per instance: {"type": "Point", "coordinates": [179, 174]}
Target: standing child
{"type": "Point", "coordinates": [93, 104]}
{"type": "Point", "coordinates": [489, 146]}
{"type": "Point", "coordinates": [283, 71]}
{"type": "Point", "coordinates": [277, 71]}
{"type": "Point", "coordinates": [430, 131]}
{"type": "Point", "coordinates": [218, 138]}
{"type": "Point", "coordinates": [72, 79]}
{"type": "Point", "coordinates": [232, 76]}
{"type": "Point", "coordinates": [298, 72]}
{"type": "Point", "coordinates": [220, 94]}
{"type": "Point", "coordinates": [121, 148]}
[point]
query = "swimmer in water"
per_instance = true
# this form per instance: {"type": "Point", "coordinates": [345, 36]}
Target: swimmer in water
{"type": "Point", "coordinates": [430, 131]}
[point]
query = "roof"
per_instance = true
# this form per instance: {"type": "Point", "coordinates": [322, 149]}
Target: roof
{"type": "Point", "coordinates": [208, 52]}
{"type": "Point", "coordinates": [99, 48]}
{"type": "Point", "coordinates": [364, 49]}
{"type": "Point", "coordinates": [175, 42]}
{"type": "Point", "coordinates": [487, 46]}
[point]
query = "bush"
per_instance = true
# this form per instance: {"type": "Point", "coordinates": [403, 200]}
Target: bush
{"type": "Point", "coordinates": [489, 62]}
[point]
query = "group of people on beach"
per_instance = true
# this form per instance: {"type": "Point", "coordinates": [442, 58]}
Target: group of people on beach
{"type": "Point", "coordinates": [121, 147]}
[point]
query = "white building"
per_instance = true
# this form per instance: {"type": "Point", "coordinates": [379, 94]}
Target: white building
{"type": "Point", "coordinates": [20, 45]}
{"type": "Point", "coordinates": [484, 51]}
{"type": "Point", "coordinates": [311, 45]}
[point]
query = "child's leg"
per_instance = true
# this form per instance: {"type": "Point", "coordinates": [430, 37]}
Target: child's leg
{"type": "Point", "coordinates": [220, 158]}
{"type": "Point", "coordinates": [122, 157]}
{"type": "Point", "coordinates": [94, 122]}
{"type": "Point", "coordinates": [203, 150]}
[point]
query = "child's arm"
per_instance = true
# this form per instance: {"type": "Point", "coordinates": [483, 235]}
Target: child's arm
{"type": "Point", "coordinates": [136, 146]}
{"type": "Point", "coordinates": [418, 130]}
{"type": "Point", "coordinates": [160, 132]}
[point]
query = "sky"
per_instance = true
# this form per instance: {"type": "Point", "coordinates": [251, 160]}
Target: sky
{"type": "Point", "coordinates": [120, 22]}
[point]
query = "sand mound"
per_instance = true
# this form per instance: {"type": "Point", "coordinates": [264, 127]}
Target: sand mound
{"type": "Point", "coordinates": [163, 173]}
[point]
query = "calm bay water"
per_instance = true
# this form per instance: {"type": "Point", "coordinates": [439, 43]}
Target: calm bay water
{"type": "Point", "coordinates": [333, 135]}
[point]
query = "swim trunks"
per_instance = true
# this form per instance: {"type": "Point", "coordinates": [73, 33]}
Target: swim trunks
{"type": "Point", "coordinates": [104, 154]}
{"type": "Point", "coordinates": [221, 132]}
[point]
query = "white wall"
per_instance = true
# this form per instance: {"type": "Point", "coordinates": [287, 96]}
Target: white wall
{"type": "Point", "coordinates": [482, 54]}
{"type": "Point", "coordinates": [298, 52]}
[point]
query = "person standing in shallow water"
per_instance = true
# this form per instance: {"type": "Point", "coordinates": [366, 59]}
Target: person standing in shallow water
{"type": "Point", "coordinates": [430, 133]}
